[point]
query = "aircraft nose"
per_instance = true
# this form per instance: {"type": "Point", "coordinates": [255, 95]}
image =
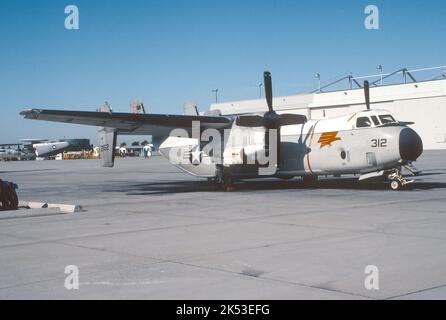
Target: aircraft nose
{"type": "Point", "coordinates": [411, 145]}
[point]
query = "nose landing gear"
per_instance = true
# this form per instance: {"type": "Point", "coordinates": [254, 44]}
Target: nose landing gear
{"type": "Point", "coordinates": [397, 181]}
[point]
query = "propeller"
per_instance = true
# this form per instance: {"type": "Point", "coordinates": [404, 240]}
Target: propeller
{"type": "Point", "coordinates": [271, 119]}
{"type": "Point", "coordinates": [367, 94]}
{"type": "Point", "coordinates": [267, 83]}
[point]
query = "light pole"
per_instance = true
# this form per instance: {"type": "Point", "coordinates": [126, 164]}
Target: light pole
{"type": "Point", "coordinates": [380, 68]}
{"type": "Point", "coordinates": [260, 89]}
{"type": "Point", "coordinates": [318, 76]}
{"type": "Point", "coordinates": [216, 95]}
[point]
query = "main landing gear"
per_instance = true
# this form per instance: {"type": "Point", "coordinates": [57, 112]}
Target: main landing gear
{"type": "Point", "coordinates": [397, 181]}
{"type": "Point", "coordinates": [224, 180]}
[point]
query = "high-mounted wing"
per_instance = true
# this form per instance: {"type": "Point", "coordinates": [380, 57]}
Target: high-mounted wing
{"type": "Point", "coordinates": [128, 123]}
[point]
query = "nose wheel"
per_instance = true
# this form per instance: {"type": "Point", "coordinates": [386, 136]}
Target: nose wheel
{"type": "Point", "coordinates": [395, 185]}
{"type": "Point", "coordinates": [397, 181]}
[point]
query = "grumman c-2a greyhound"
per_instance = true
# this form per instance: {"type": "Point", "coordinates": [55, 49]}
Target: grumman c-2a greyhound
{"type": "Point", "coordinates": [368, 144]}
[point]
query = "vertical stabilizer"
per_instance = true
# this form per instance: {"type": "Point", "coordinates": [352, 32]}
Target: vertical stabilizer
{"type": "Point", "coordinates": [137, 106]}
{"type": "Point", "coordinates": [190, 109]}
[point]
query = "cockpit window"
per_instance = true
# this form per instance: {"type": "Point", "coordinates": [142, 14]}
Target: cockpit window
{"type": "Point", "coordinates": [375, 120]}
{"type": "Point", "coordinates": [363, 122]}
{"type": "Point", "coordinates": [387, 118]}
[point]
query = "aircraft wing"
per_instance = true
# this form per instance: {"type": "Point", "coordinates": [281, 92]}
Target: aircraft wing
{"type": "Point", "coordinates": [128, 123]}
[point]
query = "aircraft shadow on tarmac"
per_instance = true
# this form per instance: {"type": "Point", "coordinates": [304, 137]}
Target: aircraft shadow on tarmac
{"type": "Point", "coordinates": [172, 187]}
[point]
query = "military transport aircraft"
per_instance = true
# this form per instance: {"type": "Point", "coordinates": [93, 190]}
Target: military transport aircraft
{"type": "Point", "coordinates": [369, 144]}
{"type": "Point", "coordinates": [44, 148]}
{"type": "Point", "coordinates": [9, 153]}
{"type": "Point", "coordinates": [16, 151]}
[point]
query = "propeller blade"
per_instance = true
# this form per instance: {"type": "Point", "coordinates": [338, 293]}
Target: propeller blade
{"type": "Point", "coordinates": [270, 119]}
{"type": "Point", "coordinates": [290, 119]}
{"type": "Point", "coordinates": [367, 94]}
{"type": "Point", "coordinates": [268, 90]}
{"type": "Point", "coordinates": [250, 121]}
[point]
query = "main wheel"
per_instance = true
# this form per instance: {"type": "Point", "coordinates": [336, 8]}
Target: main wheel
{"type": "Point", "coordinates": [395, 185]}
{"type": "Point", "coordinates": [224, 180]}
{"type": "Point", "coordinates": [230, 188]}
{"type": "Point", "coordinates": [228, 184]}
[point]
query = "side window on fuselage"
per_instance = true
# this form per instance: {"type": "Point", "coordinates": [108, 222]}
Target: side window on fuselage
{"type": "Point", "coordinates": [363, 122]}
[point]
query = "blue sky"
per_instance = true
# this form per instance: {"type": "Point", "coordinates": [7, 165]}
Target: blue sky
{"type": "Point", "coordinates": [170, 52]}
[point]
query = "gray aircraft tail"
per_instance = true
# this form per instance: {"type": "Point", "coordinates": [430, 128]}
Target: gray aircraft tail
{"type": "Point", "coordinates": [190, 109]}
{"type": "Point", "coordinates": [137, 106]}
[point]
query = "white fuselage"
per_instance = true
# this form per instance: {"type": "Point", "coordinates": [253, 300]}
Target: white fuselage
{"type": "Point", "coordinates": [357, 143]}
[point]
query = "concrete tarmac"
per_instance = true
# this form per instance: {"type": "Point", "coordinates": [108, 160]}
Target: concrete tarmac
{"type": "Point", "coordinates": [150, 231]}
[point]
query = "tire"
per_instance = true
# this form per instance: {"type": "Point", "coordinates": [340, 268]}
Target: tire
{"type": "Point", "coordinates": [395, 185]}
{"type": "Point", "coordinates": [230, 188]}
{"type": "Point", "coordinates": [226, 182]}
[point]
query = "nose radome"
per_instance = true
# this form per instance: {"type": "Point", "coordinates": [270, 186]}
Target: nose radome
{"type": "Point", "coordinates": [411, 145]}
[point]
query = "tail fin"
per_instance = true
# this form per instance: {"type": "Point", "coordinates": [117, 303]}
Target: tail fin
{"type": "Point", "coordinates": [190, 109]}
{"type": "Point", "coordinates": [137, 106]}
{"type": "Point", "coordinates": [107, 141]}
